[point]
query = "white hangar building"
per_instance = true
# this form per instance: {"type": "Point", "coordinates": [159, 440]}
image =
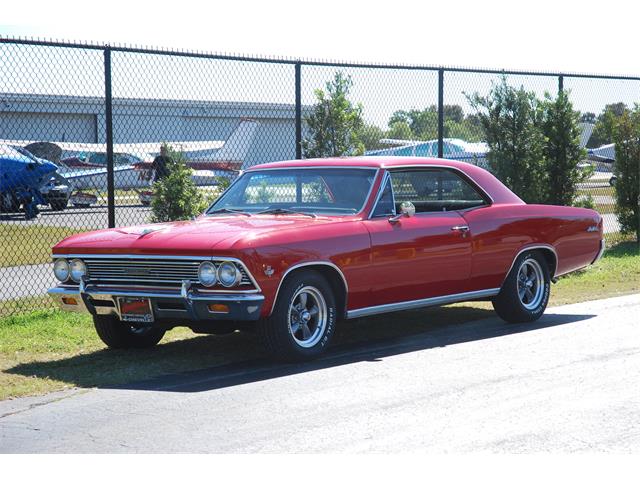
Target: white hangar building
{"type": "Point", "coordinates": [57, 118]}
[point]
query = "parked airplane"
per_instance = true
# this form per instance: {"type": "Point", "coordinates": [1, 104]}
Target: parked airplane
{"type": "Point", "coordinates": [226, 154]}
{"type": "Point", "coordinates": [22, 176]}
{"type": "Point", "coordinates": [455, 148]}
{"type": "Point", "coordinates": [209, 159]}
{"type": "Point", "coordinates": [452, 148]}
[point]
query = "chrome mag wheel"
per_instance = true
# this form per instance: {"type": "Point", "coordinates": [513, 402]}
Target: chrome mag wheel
{"type": "Point", "coordinates": [307, 316]}
{"type": "Point", "coordinates": [531, 284]}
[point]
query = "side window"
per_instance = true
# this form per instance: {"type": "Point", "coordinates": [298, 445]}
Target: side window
{"type": "Point", "coordinates": [434, 190]}
{"type": "Point", "coordinates": [385, 207]}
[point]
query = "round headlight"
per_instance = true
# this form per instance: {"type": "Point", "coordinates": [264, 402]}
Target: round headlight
{"type": "Point", "coordinates": [61, 269]}
{"type": "Point", "coordinates": [207, 274]}
{"type": "Point", "coordinates": [228, 274]}
{"type": "Point", "coordinates": [77, 270]}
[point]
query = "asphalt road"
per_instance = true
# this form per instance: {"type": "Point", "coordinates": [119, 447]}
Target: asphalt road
{"type": "Point", "coordinates": [568, 383]}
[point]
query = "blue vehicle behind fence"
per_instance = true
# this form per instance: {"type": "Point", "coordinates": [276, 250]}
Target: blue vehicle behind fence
{"type": "Point", "coordinates": [22, 179]}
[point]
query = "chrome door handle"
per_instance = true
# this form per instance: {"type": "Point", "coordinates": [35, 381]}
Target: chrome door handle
{"type": "Point", "coordinates": [461, 228]}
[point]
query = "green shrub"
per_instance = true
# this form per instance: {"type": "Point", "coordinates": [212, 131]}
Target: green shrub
{"type": "Point", "coordinates": [562, 151]}
{"type": "Point", "coordinates": [626, 168]}
{"type": "Point", "coordinates": [176, 197]}
{"type": "Point", "coordinates": [510, 120]}
{"type": "Point", "coordinates": [585, 202]}
{"type": "Point", "coordinates": [335, 124]}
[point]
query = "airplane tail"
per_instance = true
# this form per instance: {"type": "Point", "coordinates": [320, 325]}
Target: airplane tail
{"type": "Point", "coordinates": [237, 146]}
{"type": "Point", "coordinates": [587, 131]}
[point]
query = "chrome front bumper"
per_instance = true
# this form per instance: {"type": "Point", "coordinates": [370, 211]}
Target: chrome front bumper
{"type": "Point", "coordinates": [186, 306]}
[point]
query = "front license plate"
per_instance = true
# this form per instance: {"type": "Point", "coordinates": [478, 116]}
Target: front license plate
{"type": "Point", "coordinates": [135, 309]}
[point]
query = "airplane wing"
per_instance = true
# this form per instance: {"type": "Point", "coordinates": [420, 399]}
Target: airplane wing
{"type": "Point", "coordinates": [604, 153]}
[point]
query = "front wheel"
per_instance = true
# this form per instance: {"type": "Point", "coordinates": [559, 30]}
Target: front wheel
{"type": "Point", "coordinates": [303, 319]}
{"type": "Point", "coordinates": [525, 292]}
{"type": "Point", "coordinates": [117, 334]}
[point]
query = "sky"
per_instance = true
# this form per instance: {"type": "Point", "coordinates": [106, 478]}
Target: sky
{"type": "Point", "coordinates": [578, 36]}
{"type": "Point", "coordinates": [594, 37]}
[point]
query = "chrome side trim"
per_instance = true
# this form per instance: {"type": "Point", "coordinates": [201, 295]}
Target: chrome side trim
{"type": "Point", "coordinates": [425, 302]}
{"type": "Point", "coordinates": [533, 247]}
{"type": "Point", "coordinates": [140, 256]}
{"type": "Point", "coordinates": [307, 264]}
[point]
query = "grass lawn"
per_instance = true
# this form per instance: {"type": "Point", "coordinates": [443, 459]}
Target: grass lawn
{"type": "Point", "coordinates": [31, 244]}
{"type": "Point", "coordinates": [50, 350]}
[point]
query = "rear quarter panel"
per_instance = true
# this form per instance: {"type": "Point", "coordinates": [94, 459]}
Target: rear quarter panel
{"type": "Point", "coordinates": [500, 232]}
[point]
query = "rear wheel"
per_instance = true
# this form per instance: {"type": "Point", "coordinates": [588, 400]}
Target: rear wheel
{"type": "Point", "coordinates": [303, 319]}
{"type": "Point", "coordinates": [525, 292]}
{"type": "Point", "coordinates": [117, 334]}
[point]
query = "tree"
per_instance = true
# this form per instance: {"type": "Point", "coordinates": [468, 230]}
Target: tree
{"type": "Point", "coordinates": [335, 125]}
{"type": "Point", "coordinates": [452, 113]}
{"type": "Point", "coordinates": [511, 125]}
{"type": "Point", "coordinates": [588, 117]}
{"type": "Point", "coordinates": [176, 197]}
{"type": "Point", "coordinates": [627, 171]}
{"type": "Point", "coordinates": [401, 131]}
{"type": "Point", "coordinates": [370, 136]}
{"type": "Point", "coordinates": [562, 150]}
{"type": "Point", "coordinates": [606, 124]}
{"type": "Point", "coordinates": [422, 123]}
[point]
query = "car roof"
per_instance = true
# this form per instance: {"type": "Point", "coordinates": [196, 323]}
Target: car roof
{"type": "Point", "coordinates": [491, 185]}
{"type": "Point", "coordinates": [372, 162]}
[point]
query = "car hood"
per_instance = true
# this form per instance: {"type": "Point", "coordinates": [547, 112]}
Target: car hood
{"type": "Point", "coordinates": [197, 237]}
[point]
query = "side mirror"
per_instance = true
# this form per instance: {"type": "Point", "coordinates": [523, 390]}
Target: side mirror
{"type": "Point", "coordinates": [407, 209]}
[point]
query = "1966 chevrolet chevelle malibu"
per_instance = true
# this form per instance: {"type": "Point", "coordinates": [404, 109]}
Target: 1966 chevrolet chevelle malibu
{"type": "Point", "coordinates": [294, 247]}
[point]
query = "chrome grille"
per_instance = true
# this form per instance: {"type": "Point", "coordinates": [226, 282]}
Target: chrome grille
{"type": "Point", "coordinates": [146, 272]}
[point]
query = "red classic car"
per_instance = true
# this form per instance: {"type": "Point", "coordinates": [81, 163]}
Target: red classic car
{"type": "Point", "coordinates": [293, 247]}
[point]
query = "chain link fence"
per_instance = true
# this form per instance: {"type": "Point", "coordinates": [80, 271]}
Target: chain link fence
{"type": "Point", "coordinates": [100, 114]}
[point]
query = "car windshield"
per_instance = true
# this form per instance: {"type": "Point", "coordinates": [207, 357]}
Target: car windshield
{"type": "Point", "coordinates": [325, 191]}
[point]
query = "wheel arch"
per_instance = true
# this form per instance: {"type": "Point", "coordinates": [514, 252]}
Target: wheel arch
{"type": "Point", "coordinates": [331, 272]}
{"type": "Point", "coordinates": [549, 253]}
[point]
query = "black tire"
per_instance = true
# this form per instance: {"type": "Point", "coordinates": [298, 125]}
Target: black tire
{"type": "Point", "coordinates": [508, 304]}
{"type": "Point", "coordinates": [286, 324]}
{"type": "Point", "coordinates": [58, 205]}
{"type": "Point", "coordinates": [117, 334]}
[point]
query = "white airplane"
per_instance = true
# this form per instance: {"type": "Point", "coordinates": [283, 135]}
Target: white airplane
{"type": "Point", "coordinates": [83, 165]}
{"type": "Point", "coordinates": [454, 148]}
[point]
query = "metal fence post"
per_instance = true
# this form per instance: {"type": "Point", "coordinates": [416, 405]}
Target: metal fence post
{"type": "Point", "coordinates": [111, 211]}
{"type": "Point", "coordinates": [560, 83]}
{"type": "Point", "coordinates": [440, 112]}
{"type": "Point", "coordinates": [298, 88]}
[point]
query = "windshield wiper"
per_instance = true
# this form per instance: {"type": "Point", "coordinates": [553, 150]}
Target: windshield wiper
{"type": "Point", "coordinates": [279, 211]}
{"type": "Point", "coordinates": [229, 210]}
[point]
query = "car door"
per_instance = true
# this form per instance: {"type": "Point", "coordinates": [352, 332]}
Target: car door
{"type": "Point", "coordinates": [428, 254]}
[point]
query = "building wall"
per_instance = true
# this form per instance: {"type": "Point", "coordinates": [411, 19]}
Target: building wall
{"type": "Point", "coordinates": [81, 119]}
